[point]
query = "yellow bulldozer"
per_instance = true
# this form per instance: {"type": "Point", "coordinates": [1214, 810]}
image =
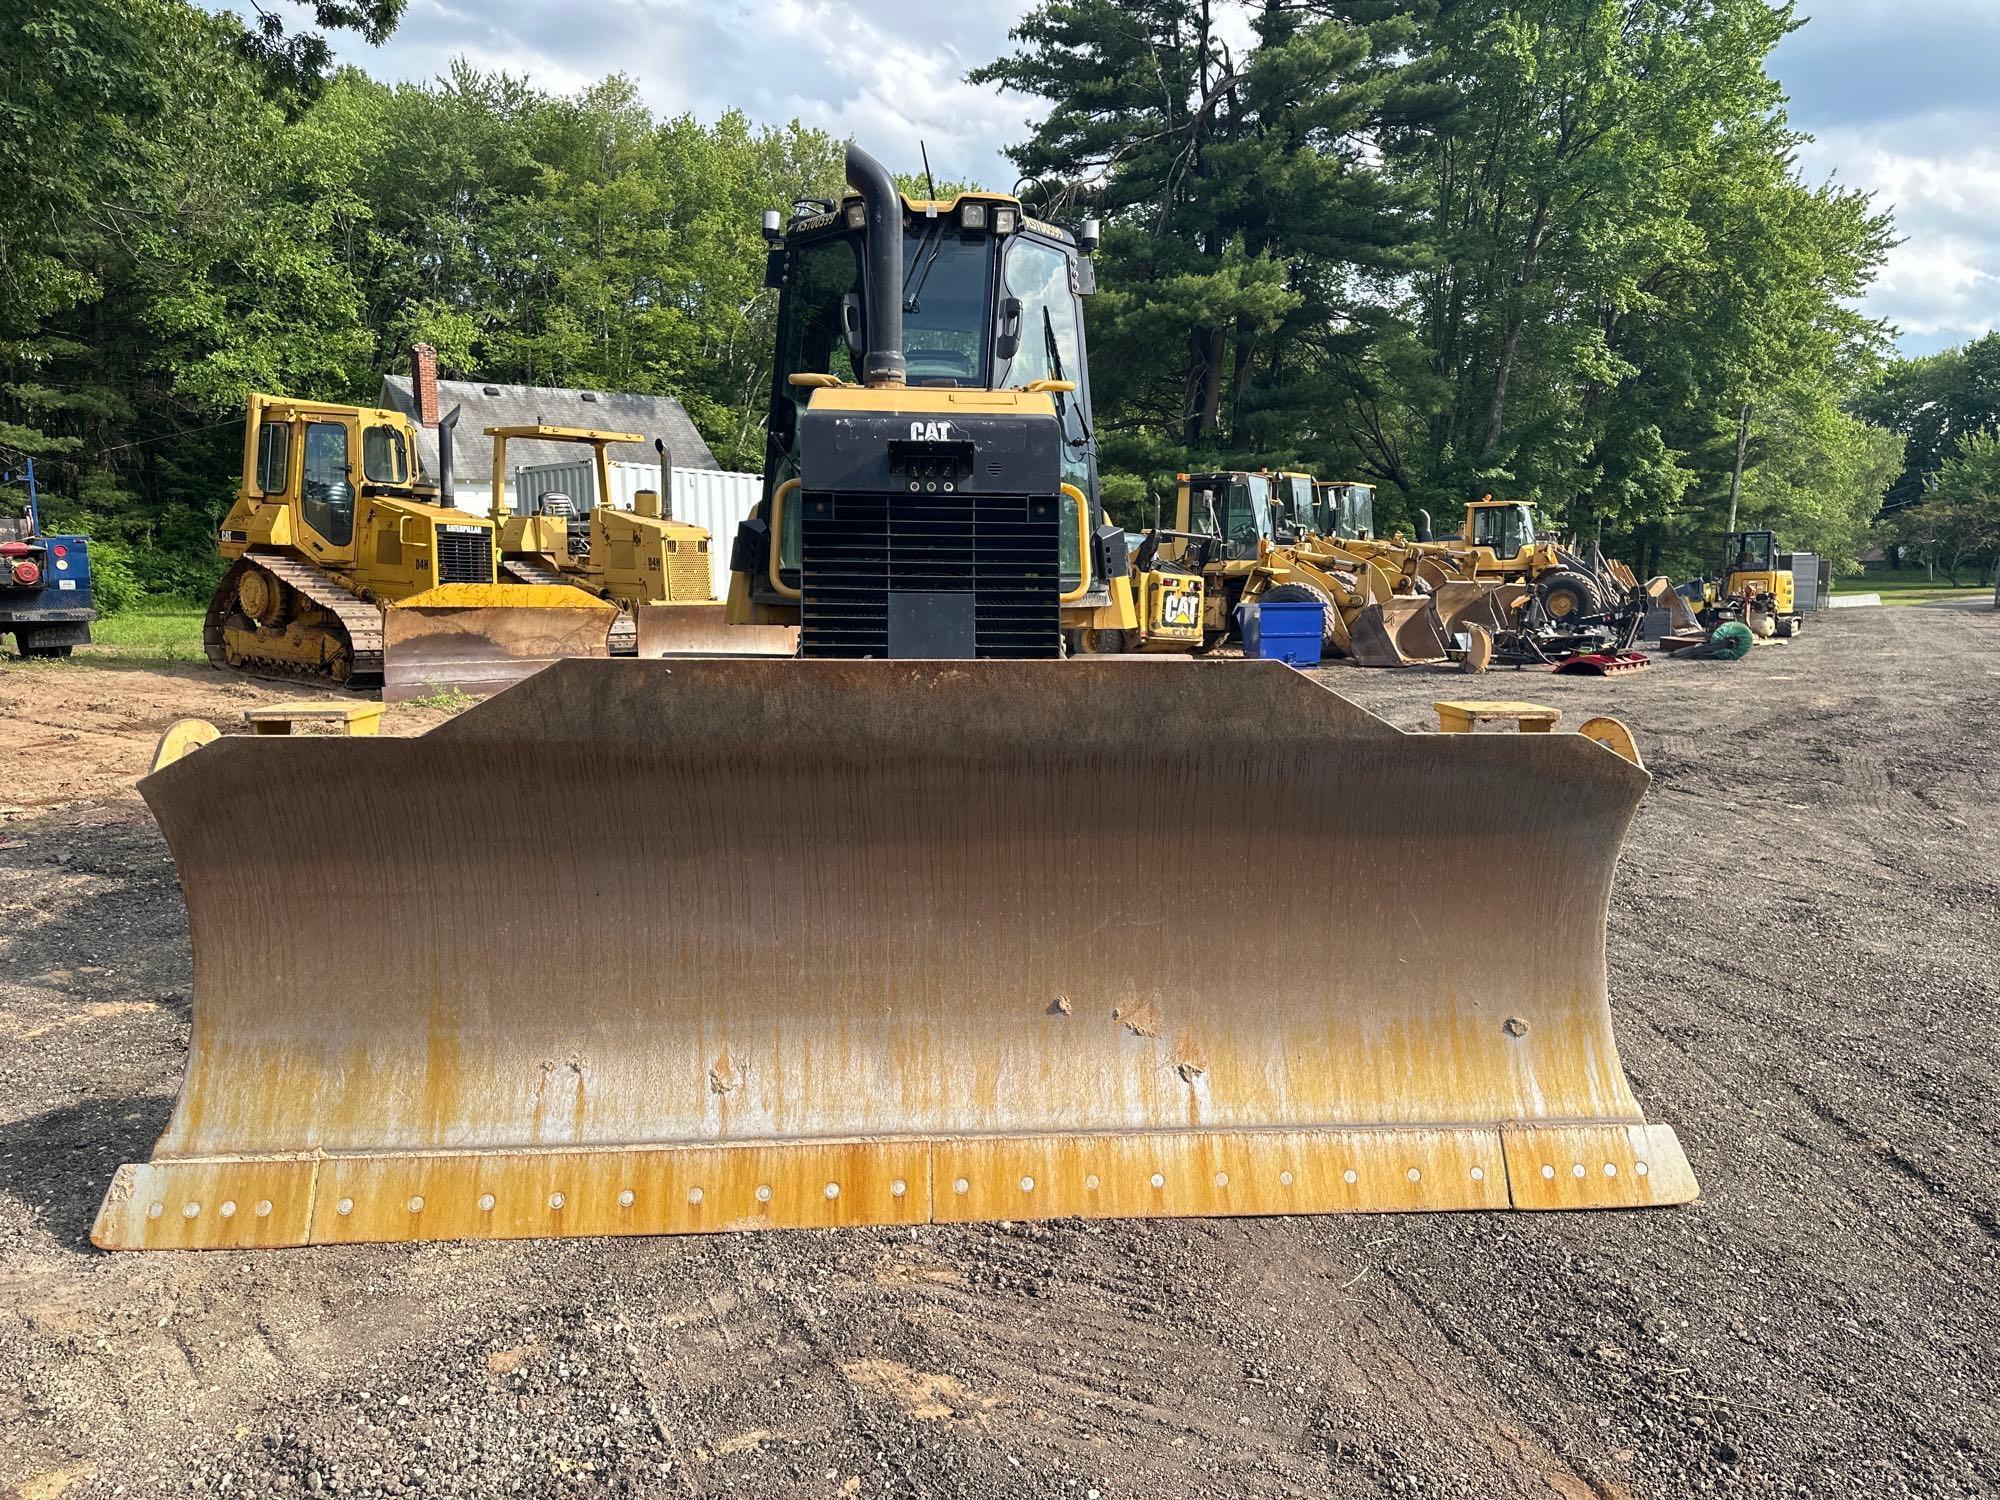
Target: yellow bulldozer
{"type": "Point", "coordinates": [908, 929]}
{"type": "Point", "coordinates": [338, 546]}
{"type": "Point", "coordinates": [653, 567]}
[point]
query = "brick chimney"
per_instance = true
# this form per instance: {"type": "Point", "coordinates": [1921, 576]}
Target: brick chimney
{"type": "Point", "coordinates": [424, 383]}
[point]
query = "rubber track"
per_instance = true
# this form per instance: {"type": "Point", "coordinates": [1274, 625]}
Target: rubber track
{"type": "Point", "coordinates": [358, 617]}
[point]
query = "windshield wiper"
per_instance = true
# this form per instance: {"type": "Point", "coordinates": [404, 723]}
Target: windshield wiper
{"type": "Point", "coordinates": [913, 300]}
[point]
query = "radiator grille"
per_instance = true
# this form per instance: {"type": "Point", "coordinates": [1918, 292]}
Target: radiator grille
{"type": "Point", "coordinates": [464, 556]}
{"type": "Point", "coordinates": [687, 572]}
{"type": "Point", "coordinates": [1003, 550]}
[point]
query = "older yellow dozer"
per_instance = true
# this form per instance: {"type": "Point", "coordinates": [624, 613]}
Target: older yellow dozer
{"type": "Point", "coordinates": [349, 565]}
{"type": "Point", "coordinates": [928, 925]}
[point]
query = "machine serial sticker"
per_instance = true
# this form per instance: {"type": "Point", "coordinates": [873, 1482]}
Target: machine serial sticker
{"type": "Point", "coordinates": [65, 583]}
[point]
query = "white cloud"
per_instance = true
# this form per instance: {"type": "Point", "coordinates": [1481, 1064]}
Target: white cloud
{"type": "Point", "coordinates": [1941, 285]}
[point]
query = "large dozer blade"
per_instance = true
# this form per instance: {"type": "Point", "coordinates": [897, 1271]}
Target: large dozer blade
{"type": "Point", "coordinates": [477, 638]}
{"type": "Point", "coordinates": [1398, 632]}
{"type": "Point", "coordinates": [663, 947]}
{"type": "Point", "coordinates": [701, 630]}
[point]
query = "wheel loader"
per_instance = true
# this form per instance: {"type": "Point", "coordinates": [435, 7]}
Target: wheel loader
{"type": "Point", "coordinates": [1249, 536]}
{"type": "Point", "coordinates": [927, 925]}
{"type": "Point", "coordinates": [335, 530]}
{"type": "Point", "coordinates": [1504, 547]}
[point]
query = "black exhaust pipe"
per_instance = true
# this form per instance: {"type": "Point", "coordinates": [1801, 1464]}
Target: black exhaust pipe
{"type": "Point", "coordinates": [447, 495]}
{"type": "Point", "coordinates": [881, 269]}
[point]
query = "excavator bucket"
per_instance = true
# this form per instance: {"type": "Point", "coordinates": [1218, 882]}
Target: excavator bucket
{"type": "Point", "coordinates": [885, 942]}
{"type": "Point", "coordinates": [1397, 632]}
{"type": "Point", "coordinates": [700, 630]}
{"type": "Point", "coordinates": [477, 638]}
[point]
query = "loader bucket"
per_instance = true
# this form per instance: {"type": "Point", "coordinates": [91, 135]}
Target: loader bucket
{"type": "Point", "coordinates": [1460, 604]}
{"type": "Point", "coordinates": [1398, 632]}
{"type": "Point", "coordinates": [1662, 595]}
{"type": "Point", "coordinates": [700, 630]}
{"type": "Point", "coordinates": [477, 638]}
{"type": "Point", "coordinates": [650, 947]}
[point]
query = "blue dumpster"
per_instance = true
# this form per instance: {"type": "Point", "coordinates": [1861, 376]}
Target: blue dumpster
{"type": "Point", "coordinates": [1288, 630]}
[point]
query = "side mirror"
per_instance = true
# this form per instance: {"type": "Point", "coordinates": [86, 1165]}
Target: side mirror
{"type": "Point", "coordinates": [1009, 342]}
{"type": "Point", "coordinates": [850, 324]}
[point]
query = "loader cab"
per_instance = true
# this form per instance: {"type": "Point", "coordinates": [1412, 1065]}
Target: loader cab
{"type": "Point", "coordinates": [1345, 511]}
{"type": "Point", "coordinates": [1294, 514]}
{"type": "Point", "coordinates": [1506, 528]}
{"type": "Point", "coordinates": [990, 303]}
{"type": "Point", "coordinates": [1234, 509]}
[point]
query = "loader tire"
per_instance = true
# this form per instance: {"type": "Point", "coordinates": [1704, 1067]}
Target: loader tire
{"type": "Point", "coordinates": [1305, 593]}
{"type": "Point", "coordinates": [1569, 595]}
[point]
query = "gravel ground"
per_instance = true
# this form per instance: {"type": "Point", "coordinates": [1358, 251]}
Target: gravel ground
{"type": "Point", "coordinates": [1804, 957]}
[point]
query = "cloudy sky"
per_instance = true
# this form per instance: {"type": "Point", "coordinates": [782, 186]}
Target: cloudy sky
{"type": "Point", "coordinates": [1900, 95]}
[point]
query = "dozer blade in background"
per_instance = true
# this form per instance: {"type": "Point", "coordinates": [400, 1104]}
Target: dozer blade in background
{"type": "Point", "coordinates": [889, 942]}
{"type": "Point", "coordinates": [1399, 632]}
{"type": "Point", "coordinates": [477, 638]}
{"type": "Point", "coordinates": [701, 630]}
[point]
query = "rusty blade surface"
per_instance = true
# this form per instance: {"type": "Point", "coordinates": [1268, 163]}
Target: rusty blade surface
{"type": "Point", "coordinates": [861, 931]}
{"type": "Point", "coordinates": [477, 639]}
{"type": "Point", "coordinates": [701, 630]}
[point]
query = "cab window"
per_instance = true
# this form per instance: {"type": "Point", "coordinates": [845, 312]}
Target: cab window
{"type": "Point", "coordinates": [274, 455]}
{"type": "Point", "coordinates": [1505, 528]}
{"type": "Point", "coordinates": [1051, 349]}
{"type": "Point", "coordinates": [811, 340]}
{"type": "Point", "coordinates": [1753, 552]}
{"type": "Point", "coordinates": [1246, 515]}
{"type": "Point", "coordinates": [384, 457]}
{"type": "Point", "coordinates": [326, 491]}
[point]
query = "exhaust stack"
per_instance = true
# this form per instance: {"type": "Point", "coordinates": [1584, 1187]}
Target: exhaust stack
{"type": "Point", "coordinates": [881, 269]}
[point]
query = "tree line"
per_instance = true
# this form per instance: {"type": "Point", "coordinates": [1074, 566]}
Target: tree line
{"type": "Point", "coordinates": [1555, 249]}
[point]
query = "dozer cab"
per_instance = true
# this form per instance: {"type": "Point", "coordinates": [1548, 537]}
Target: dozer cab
{"type": "Point", "coordinates": [333, 523]}
{"type": "Point", "coordinates": [961, 933]}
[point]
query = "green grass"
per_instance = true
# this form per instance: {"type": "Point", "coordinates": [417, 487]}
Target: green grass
{"type": "Point", "coordinates": [157, 630]}
{"type": "Point", "coordinates": [1912, 586]}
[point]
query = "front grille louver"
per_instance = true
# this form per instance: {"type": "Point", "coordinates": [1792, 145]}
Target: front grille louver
{"type": "Point", "coordinates": [858, 549]}
{"type": "Point", "coordinates": [464, 556]}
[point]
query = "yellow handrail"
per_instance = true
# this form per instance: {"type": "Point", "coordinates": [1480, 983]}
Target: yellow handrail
{"type": "Point", "coordinates": [1083, 547]}
{"type": "Point", "coordinates": [778, 539]}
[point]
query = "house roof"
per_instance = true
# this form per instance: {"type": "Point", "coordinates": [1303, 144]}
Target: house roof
{"type": "Point", "coordinates": [486, 405]}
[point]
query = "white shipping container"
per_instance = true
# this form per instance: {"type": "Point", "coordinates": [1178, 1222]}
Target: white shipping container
{"type": "Point", "coordinates": [718, 500]}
